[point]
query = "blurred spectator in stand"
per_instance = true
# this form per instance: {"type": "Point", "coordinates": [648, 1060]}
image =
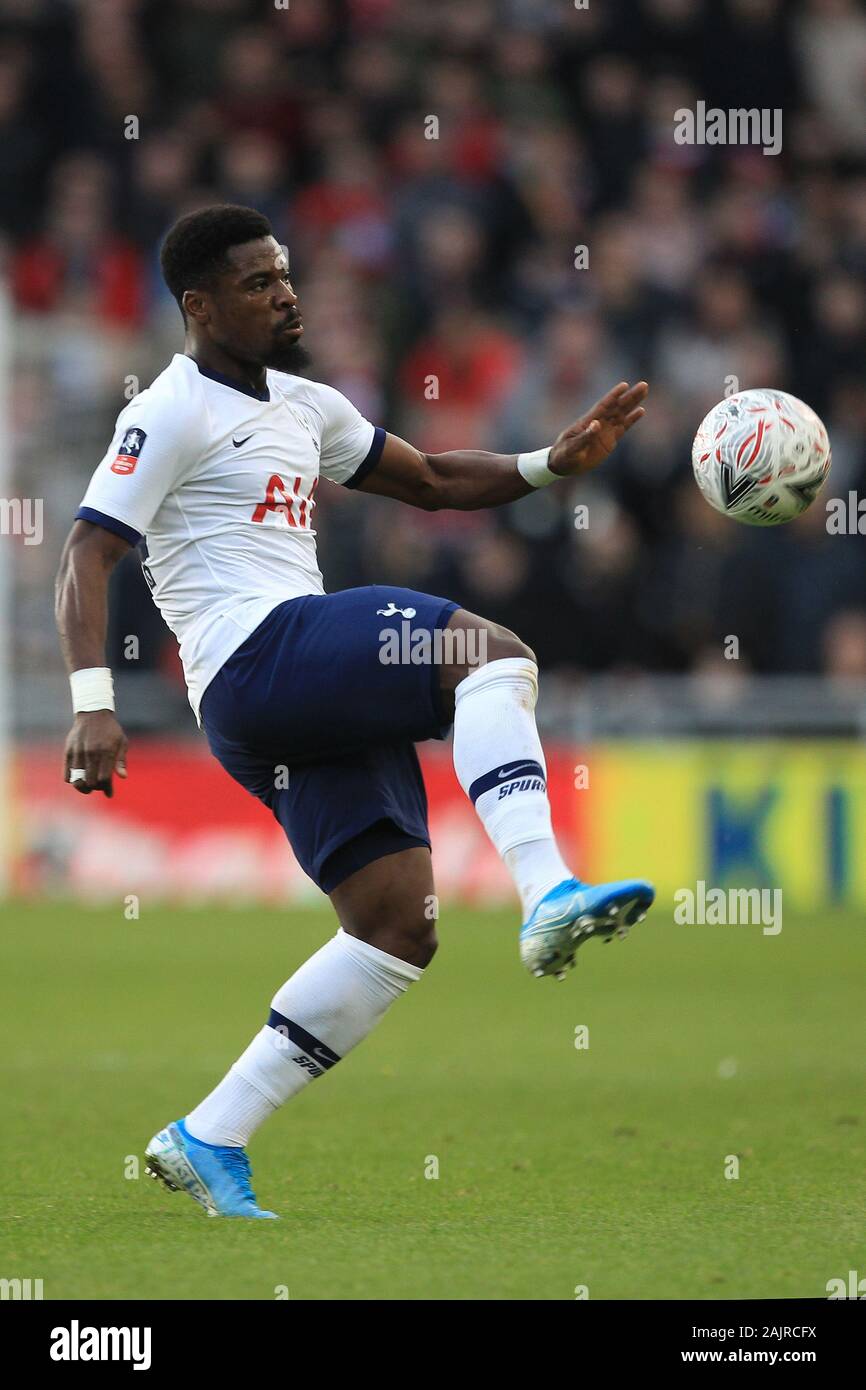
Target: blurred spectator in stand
{"type": "Point", "coordinates": [831, 36]}
{"type": "Point", "coordinates": [79, 264]}
{"type": "Point", "coordinates": [844, 646]}
{"type": "Point", "coordinates": [574, 362]}
{"type": "Point", "coordinates": [251, 171]}
{"type": "Point", "coordinates": [468, 363]}
{"type": "Point", "coordinates": [722, 346]}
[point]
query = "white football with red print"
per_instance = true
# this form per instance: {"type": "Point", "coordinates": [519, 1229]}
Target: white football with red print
{"type": "Point", "coordinates": [761, 456]}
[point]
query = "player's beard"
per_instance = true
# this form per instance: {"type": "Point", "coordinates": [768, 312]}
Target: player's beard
{"type": "Point", "coordinates": [290, 357]}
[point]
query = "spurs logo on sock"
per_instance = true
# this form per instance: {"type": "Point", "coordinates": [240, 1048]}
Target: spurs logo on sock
{"type": "Point", "coordinates": [526, 784]}
{"type": "Point", "coordinates": [315, 1057]}
{"type": "Point", "coordinates": [522, 775]}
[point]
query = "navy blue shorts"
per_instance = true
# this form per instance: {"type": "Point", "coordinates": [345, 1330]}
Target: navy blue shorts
{"type": "Point", "coordinates": [309, 718]}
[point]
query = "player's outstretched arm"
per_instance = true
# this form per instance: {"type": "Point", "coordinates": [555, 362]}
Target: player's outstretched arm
{"type": "Point", "coordinates": [96, 743]}
{"type": "Point", "coordinates": [467, 479]}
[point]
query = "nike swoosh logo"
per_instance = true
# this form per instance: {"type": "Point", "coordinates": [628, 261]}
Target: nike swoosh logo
{"type": "Point", "coordinates": [238, 442]}
{"type": "Point", "coordinates": [513, 771]}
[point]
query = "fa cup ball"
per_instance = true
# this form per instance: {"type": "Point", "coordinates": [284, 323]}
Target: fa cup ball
{"type": "Point", "coordinates": [761, 457]}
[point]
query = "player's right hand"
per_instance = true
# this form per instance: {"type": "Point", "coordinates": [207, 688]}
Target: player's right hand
{"type": "Point", "coordinates": [96, 745]}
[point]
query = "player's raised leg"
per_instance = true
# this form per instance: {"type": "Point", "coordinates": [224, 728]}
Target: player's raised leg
{"type": "Point", "coordinates": [500, 764]}
{"type": "Point", "coordinates": [329, 1005]}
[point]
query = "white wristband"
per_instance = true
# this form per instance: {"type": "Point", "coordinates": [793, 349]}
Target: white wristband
{"type": "Point", "coordinates": [533, 468]}
{"type": "Point", "coordinates": [92, 688]}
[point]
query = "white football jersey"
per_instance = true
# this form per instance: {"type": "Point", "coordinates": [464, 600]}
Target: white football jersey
{"type": "Point", "coordinates": [218, 481]}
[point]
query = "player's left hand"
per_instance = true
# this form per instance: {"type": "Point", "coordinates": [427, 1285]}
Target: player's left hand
{"type": "Point", "coordinates": [587, 443]}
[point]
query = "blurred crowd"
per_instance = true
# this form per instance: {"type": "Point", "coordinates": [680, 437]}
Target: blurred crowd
{"type": "Point", "coordinates": [489, 223]}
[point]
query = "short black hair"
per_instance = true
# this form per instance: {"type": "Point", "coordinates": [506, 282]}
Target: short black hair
{"type": "Point", "coordinates": [194, 250]}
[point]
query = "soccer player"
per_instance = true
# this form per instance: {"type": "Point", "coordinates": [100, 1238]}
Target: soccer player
{"type": "Point", "coordinates": [212, 473]}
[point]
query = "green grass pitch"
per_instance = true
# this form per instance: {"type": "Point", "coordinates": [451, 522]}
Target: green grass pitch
{"type": "Point", "coordinates": [559, 1167]}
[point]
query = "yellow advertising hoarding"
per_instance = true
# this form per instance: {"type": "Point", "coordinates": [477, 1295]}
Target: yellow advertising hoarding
{"type": "Point", "coordinates": [784, 814]}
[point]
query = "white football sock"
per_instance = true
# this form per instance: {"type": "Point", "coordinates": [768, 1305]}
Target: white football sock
{"type": "Point", "coordinates": [319, 1014]}
{"type": "Point", "coordinates": [500, 765]}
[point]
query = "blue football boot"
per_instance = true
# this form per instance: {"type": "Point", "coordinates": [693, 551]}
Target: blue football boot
{"type": "Point", "coordinates": [572, 912]}
{"type": "Point", "coordinates": [217, 1177]}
